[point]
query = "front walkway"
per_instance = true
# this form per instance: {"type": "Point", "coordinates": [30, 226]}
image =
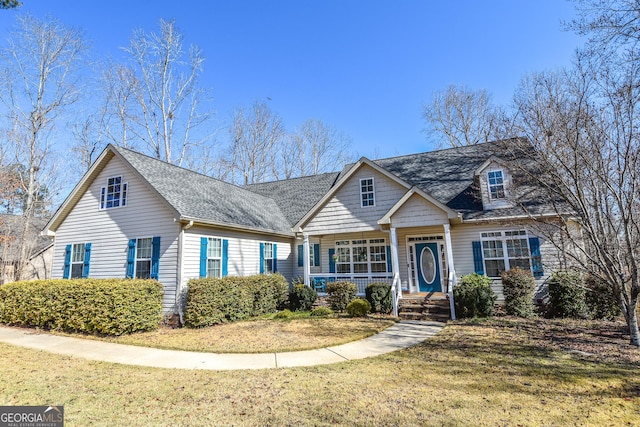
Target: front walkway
{"type": "Point", "coordinates": [401, 335]}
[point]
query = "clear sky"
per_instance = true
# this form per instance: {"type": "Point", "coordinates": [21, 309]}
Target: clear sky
{"type": "Point", "coordinates": [364, 67]}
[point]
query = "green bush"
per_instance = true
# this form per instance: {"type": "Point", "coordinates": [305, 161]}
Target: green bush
{"type": "Point", "coordinates": [601, 299]}
{"type": "Point", "coordinates": [380, 297]}
{"type": "Point", "coordinates": [301, 297]}
{"type": "Point", "coordinates": [284, 314]}
{"type": "Point", "coordinates": [93, 306]}
{"type": "Point", "coordinates": [518, 287]}
{"type": "Point", "coordinates": [567, 295]}
{"type": "Point", "coordinates": [321, 312]}
{"type": "Point", "coordinates": [474, 297]}
{"type": "Point", "coordinates": [212, 301]}
{"type": "Point", "coordinates": [358, 307]}
{"type": "Point", "coordinates": [340, 294]}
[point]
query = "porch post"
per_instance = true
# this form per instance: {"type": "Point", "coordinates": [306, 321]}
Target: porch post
{"type": "Point", "coordinates": [451, 280]}
{"type": "Point", "coordinates": [305, 260]}
{"type": "Point", "coordinates": [395, 267]}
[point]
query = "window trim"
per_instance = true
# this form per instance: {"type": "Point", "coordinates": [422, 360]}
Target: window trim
{"type": "Point", "coordinates": [265, 268]}
{"type": "Point", "coordinates": [210, 258]}
{"type": "Point", "coordinates": [136, 259]}
{"type": "Point", "coordinates": [82, 247]}
{"type": "Point", "coordinates": [355, 243]}
{"type": "Point", "coordinates": [370, 201]}
{"type": "Point", "coordinates": [502, 184]}
{"type": "Point", "coordinates": [122, 199]}
{"type": "Point", "coordinates": [502, 236]}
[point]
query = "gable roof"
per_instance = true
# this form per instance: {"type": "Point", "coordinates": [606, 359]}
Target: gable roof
{"type": "Point", "coordinates": [11, 229]}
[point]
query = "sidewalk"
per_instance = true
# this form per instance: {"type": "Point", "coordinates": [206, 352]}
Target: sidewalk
{"type": "Point", "coordinates": [401, 335]}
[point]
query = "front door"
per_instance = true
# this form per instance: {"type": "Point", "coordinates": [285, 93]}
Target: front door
{"type": "Point", "coordinates": [428, 270]}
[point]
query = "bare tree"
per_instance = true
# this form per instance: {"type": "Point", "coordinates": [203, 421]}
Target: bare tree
{"type": "Point", "coordinates": [582, 124]}
{"type": "Point", "coordinates": [38, 83]}
{"type": "Point", "coordinates": [255, 138]}
{"type": "Point", "coordinates": [166, 91]}
{"type": "Point", "coordinates": [314, 148]}
{"type": "Point", "coordinates": [460, 116]}
{"type": "Point", "coordinates": [608, 24]}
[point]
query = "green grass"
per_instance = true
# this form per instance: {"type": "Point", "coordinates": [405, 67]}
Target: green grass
{"type": "Point", "coordinates": [489, 373]}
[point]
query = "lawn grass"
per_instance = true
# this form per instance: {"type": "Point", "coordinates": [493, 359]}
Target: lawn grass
{"type": "Point", "coordinates": [495, 373]}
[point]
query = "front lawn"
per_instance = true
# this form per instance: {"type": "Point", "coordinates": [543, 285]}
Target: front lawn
{"type": "Point", "coordinates": [502, 372]}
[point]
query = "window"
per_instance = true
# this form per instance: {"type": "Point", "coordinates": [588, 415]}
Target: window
{"type": "Point", "coordinates": [367, 193]}
{"type": "Point", "coordinates": [143, 258]}
{"type": "Point", "coordinates": [496, 184]}
{"type": "Point", "coordinates": [268, 264]}
{"type": "Point", "coordinates": [361, 256]}
{"type": "Point", "coordinates": [504, 250]}
{"type": "Point", "coordinates": [214, 257]}
{"type": "Point", "coordinates": [114, 194]}
{"type": "Point", "coordinates": [77, 260]}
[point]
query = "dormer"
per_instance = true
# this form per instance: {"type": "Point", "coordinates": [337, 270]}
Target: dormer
{"type": "Point", "coordinates": [495, 183]}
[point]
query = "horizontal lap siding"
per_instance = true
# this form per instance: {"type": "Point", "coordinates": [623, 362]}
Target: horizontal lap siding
{"type": "Point", "coordinates": [109, 230]}
{"type": "Point", "coordinates": [343, 212]}
{"type": "Point", "coordinates": [417, 212]}
{"type": "Point", "coordinates": [244, 252]}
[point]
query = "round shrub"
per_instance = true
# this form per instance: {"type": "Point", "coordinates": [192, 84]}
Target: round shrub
{"type": "Point", "coordinates": [601, 299]}
{"type": "Point", "coordinates": [302, 297]}
{"type": "Point", "coordinates": [518, 286]}
{"type": "Point", "coordinates": [358, 307]}
{"type": "Point", "coordinates": [474, 297]}
{"type": "Point", "coordinates": [340, 294]}
{"type": "Point", "coordinates": [321, 312]}
{"type": "Point", "coordinates": [380, 298]}
{"type": "Point", "coordinates": [284, 314]}
{"type": "Point", "coordinates": [567, 295]}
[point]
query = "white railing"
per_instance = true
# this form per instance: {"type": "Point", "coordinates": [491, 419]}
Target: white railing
{"type": "Point", "coordinates": [319, 281]}
{"type": "Point", "coordinates": [396, 294]}
{"type": "Point", "coordinates": [450, 283]}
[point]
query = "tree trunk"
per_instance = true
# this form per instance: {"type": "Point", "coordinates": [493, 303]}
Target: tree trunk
{"type": "Point", "coordinates": [632, 322]}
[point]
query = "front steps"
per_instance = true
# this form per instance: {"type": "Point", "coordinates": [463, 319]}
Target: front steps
{"type": "Point", "coordinates": [432, 306]}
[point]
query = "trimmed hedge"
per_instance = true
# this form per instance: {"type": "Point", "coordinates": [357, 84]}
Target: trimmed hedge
{"type": "Point", "coordinates": [301, 297]}
{"type": "Point", "coordinates": [474, 297]}
{"type": "Point", "coordinates": [93, 306]}
{"type": "Point", "coordinates": [341, 294]}
{"type": "Point", "coordinates": [359, 307]}
{"type": "Point", "coordinates": [567, 295]}
{"type": "Point", "coordinates": [518, 286]}
{"type": "Point", "coordinates": [379, 296]}
{"type": "Point", "coordinates": [213, 301]}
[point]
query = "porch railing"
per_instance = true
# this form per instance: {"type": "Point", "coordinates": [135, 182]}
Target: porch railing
{"type": "Point", "coordinates": [319, 281]}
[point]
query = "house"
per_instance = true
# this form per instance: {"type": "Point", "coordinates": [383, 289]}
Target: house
{"type": "Point", "coordinates": [14, 238]}
{"type": "Point", "coordinates": [417, 222]}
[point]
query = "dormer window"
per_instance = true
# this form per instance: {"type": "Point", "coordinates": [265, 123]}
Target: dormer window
{"type": "Point", "coordinates": [114, 194]}
{"type": "Point", "coordinates": [367, 193]}
{"type": "Point", "coordinates": [495, 178]}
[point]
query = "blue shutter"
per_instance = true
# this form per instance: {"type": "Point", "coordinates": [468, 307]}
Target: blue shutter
{"type": "Point", "coordinates": [332, 263]}
{"type": "Point", "coordinates": [87, 260]}
{"type": "Point", "coordinates": [536, 259]}
{"type": "Point", "coordinates": [225, 258]}
{"type": "Point", "coordinates": [261, 258]}
{"type": "Point", "coordinates": [477, 257]}
{"type": "Point", "coordinates": [300, 255]}
{"type": "Point", "coordinates": [67, 262]}
{"type": "Point", "coordinates": [316, 255]}
{"type": "Point", "coordinates": [155, 257]}
{"type": "Point", "coordinates": [204, 242]}
{"type": "Point", "coordinates": [389, 263]}
{"type": "Point", "coordinates": [131, 258]}
{"type": "Point", "coordinates": [275, 258]}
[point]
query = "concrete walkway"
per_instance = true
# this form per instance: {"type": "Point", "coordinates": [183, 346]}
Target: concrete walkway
{"type": "Point", "coordinates": [401, 335]}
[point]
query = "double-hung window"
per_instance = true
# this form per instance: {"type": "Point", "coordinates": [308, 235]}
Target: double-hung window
{"type": "Point", "coordinates": [114, 194]}
{"type": "Point", "coordinates": [143, 258]}
{"type": "Point", "coordinates": [367, 192]}
{"type": "Point", "coordinates": [495, 179]}
{"type": "Point", "coordinates": [268, 264]}
{"type": "Point", "coordinates": [361, 256]}
{"type": "Point", "coordinates": [504, 250]}
{"type": "Point", "coordinates": [214, 257]}
{"type": "Point", "coordinates": [77, 260]}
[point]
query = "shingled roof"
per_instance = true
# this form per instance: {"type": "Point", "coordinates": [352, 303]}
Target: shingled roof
{"type": "Point", "coordinates": [199, 197]}
{"type": "Point", "coordinates": [11, 235]}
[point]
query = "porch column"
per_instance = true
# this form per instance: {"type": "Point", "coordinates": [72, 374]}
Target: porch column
{"type": "Point", "coordinates": [452, 270]}
{"type": "Point", "coordinates": [305, 260]}
{"type": "Point", "coordinates": [395, 267]}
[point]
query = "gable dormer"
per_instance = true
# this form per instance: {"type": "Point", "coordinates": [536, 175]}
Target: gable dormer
{"type": "Point", "coordinates": [495, 183]}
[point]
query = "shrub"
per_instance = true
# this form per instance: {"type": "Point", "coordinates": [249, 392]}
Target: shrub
{"type": "Point", "coordinates": [301, 298]}
{"type": "Point", "coordinates": [284, 314]}
{"type": "Point", "coordinates": [601, 299]}
{"type": "Point", "coordinates": [518, 286]}
{"type": "Point", "coordinates": [93, 306]}
{"type": "Point", "coordinates": [340, 294]}
{"type": "Point", "coordinates": [380, 298]}
{"type": "Point", "coordinates": [358, 307]}
{"type": "Point", "coordinates": [321, 312]}
{"type": "Point", "coordinates": [474, 297]}
{"type": "Point", "coordinates": [212, 300]}
{"type": "Point", "coordinates": [567, 295]}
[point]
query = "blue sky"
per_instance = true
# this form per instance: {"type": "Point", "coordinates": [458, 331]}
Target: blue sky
{"type": "Point", "coordinates": [364, 67]}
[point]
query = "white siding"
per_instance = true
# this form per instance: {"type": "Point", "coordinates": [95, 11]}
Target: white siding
{"type": "Point", "coordinates": [109, 230]}
{"type": "Point", "coordinates": [244, 252]}
{"type": "Point", "coordinates": [344, 212]}
{"type": "Point", "coordinates": [417, 212]}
